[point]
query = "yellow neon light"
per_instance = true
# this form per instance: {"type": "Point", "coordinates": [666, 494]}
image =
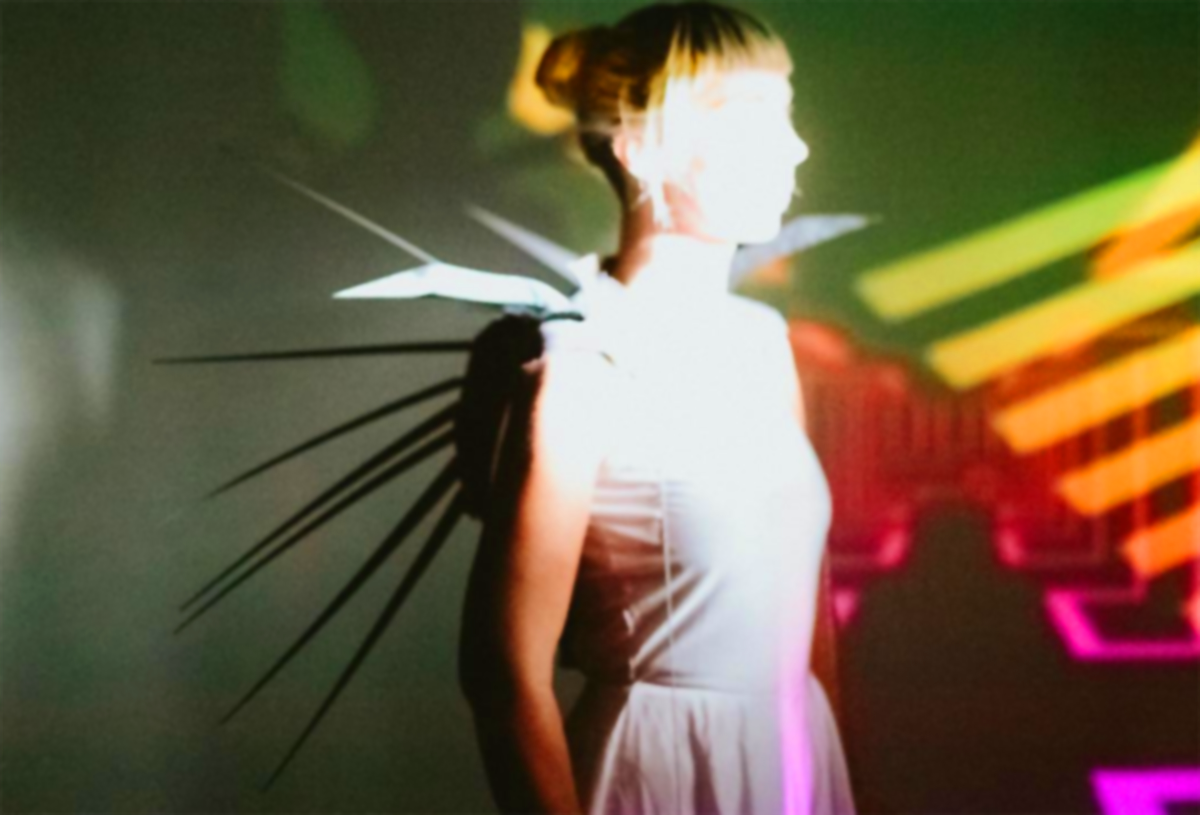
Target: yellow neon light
{"type": "Point", "coordinates": [920, 282]}
{"type": "Point", "coordinates": [1064, 320]}
{"type": "Point", "coordinates": [1164, 546]}
{"type": "Point", "coordinates": [1134, 471]}
{"type": "Point", "coordinates": [1129, 225]}
{"type": "Point", "coordinates": [1178, 190]}
{"type": "Point", "coordinates": [1167, 213]}
{"type": "Point", "coordinates": [1104, 393]}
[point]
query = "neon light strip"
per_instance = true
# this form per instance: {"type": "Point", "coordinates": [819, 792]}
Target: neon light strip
{"type": "Point", "coordinates": [1169, 543]}
{"type": "Point", "coordinates": [1166, 215]}
{"type": "Point", "coordinates": [1134, 247]}
{"type": "Point", "coordinates": [1067, 609]}
{"type": "Point", "coordinates": [1102, 394]}
{"type": "Point", "coordinates": [1079, 314]}
{"type": "Point", "coordinates": [1134, 471]}
{"type": "Point", "coordinates": [987, 258]}
{"type": "Point", "coordinates": [1177, 191]}
{"type": "Point", "coordinates": [1145, 792]}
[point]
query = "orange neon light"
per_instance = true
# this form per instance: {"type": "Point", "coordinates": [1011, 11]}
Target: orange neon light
{"type": "Point", "coordinates": [1135, 471]}
{"type": "Point", "coordinates": [1167, 544]}
{"type": "Point", "coordinates": [1144, 243]}
{"type": "Point", "coordinates": [1102, 394]}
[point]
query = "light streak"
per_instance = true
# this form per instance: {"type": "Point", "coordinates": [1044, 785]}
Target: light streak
{"type": "Point", "coordinates": [1104, 393]}
{"type": "Point", "coordinates": [990, 257]}
{"type": "Point", "coordinates": [1136, 470]}
{"type": "Point", "coordinates": [1080, 314]}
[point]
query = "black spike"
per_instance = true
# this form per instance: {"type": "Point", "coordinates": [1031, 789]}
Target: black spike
{"type": "Point", "coordinates": [342, 429]}
{"type": "Point", "coordinates": [433, 493]}
{"type": "Point", "coordinates": [437, 538]}
{"type": "Point", "coordinates": [440, 419]}
{"type": "Point", "coordinates": [347, 351]}
{"type": "Point", "coordinates": [387, 475]}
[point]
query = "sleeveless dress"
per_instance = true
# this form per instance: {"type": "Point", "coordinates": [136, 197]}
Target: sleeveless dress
{"type": "Point", "coordinates": [698, 697]}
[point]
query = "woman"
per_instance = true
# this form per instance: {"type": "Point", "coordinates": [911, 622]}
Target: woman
{"type": "Point", "coordinates": [655, 483]}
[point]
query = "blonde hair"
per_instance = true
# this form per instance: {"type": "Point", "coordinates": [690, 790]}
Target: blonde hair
{"type": "Point", "coordinates": [650, 74]}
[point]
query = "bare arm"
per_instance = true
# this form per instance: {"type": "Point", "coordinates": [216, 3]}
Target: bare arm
{"type": "Point", "coordinates": [522, 580]}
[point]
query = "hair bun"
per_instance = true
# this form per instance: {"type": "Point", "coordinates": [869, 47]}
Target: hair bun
{"type": "Point", "coordinates": [560, 71]}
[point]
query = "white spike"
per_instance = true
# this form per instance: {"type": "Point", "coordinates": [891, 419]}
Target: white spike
{"type": "Point", "coordinates": [797, 234]}
{"type": "Point", "coordinates": [460, 283]}
{"type": "Point", "coordinates": [552, 255]}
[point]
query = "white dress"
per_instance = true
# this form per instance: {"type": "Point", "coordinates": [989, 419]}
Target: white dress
{"type": "Point", "coordinates": [698, 695]}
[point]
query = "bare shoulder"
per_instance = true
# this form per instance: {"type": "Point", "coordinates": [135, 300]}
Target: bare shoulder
{"type": "Point", "coordinates": [570, 396]}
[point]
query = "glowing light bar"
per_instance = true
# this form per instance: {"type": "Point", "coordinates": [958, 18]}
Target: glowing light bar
{"type": "Point", "coordinates": [1134, 471]}
{"type": "Point", "coordinates": [1104, 393]}
{"type": "Point", "coordinates": [1178, 190]}
{"type": "Point", "coordinates": [1166, 215]}
{"type": "Point", "coordinates": [1069, 611]}
{"type": "Point", "coordinates": [1145, 791]}
{"type": "Point", "coordinates": [1133, 248]}
{"type": "Point", "coordinates": [1077, 315]}
{"type": "Point", "coordinates": [1169, 543]}
{"type": "Point", "coordinates": [920, 282]}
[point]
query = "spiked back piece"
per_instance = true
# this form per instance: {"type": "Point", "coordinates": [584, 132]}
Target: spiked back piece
{"type": "Point", "coordinates": [497, 355]}
{"type": "Point", "coordinates": [470, 429]}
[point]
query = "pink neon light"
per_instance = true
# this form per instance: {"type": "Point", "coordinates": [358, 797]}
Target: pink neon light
{"type": "Point", "coordinates": [887, 551]}
{"type": "Point", "coordinates": [1017, 552]}
{"type": "Point", "coordinates": [1068, 612]}
{"type": "Point", "coordinates": [893, 548]}
{"type": "Point", "coordinates": [1145, 792]}
{"type": "Point", "coordinates": [845, 604]}
{"type": "Point", "coordinates": [1010, 546]}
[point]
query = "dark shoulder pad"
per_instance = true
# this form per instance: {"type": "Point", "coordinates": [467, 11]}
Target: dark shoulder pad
{"type": "Point", "coordinates": [498, 354]}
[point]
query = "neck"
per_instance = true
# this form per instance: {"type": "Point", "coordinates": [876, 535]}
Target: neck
{"type": "Point", "coordinates": [673, 266]}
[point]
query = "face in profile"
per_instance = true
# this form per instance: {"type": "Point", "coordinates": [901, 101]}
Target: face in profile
{"type": "Point", "coordinates": [744, 155]}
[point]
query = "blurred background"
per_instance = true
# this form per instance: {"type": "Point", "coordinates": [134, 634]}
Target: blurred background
{"type": "Point", "coordinates": [1002, 373]}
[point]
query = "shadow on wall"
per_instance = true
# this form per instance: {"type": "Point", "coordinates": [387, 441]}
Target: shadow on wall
{"type": "Point", "coordinates": [947, 662]}
{"type": "Point", "coordinates": [128, 236]}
